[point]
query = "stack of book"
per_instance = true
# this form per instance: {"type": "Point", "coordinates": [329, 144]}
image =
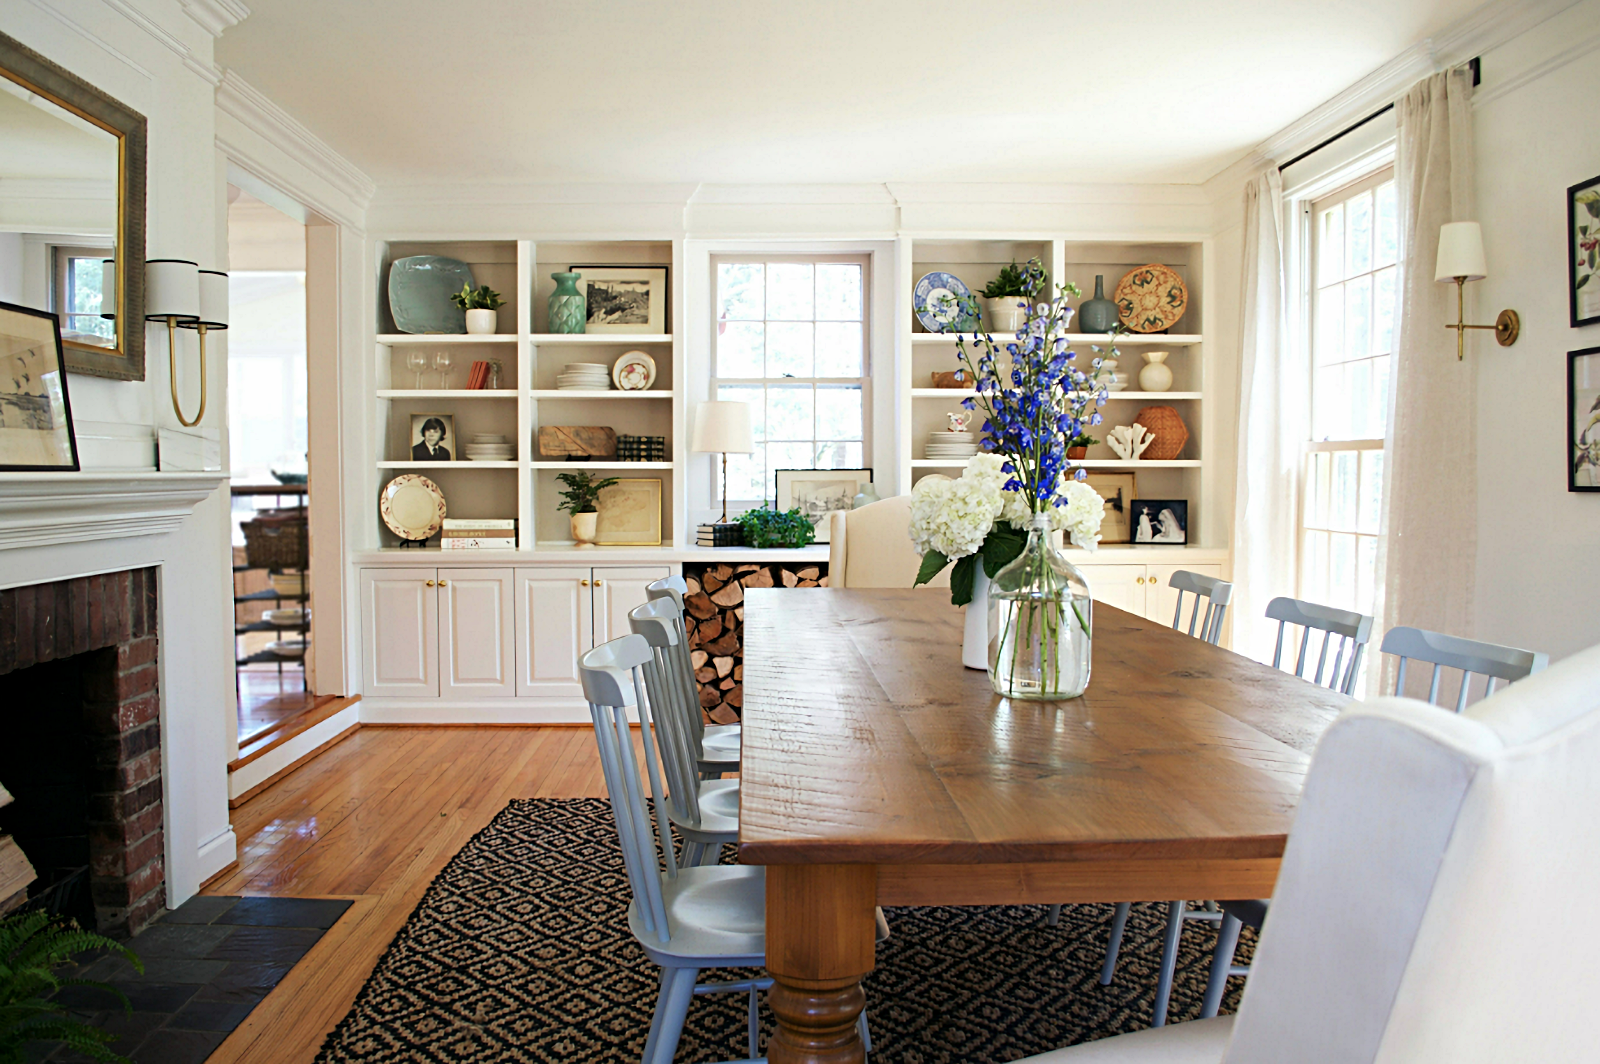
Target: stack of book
{"type": "Point", "coordinates": [478, 375]}
{"type": "Point", "coordinates": [720, 535]}
{"type": "Point", "coordinates": [478, 533]}
{"type": "Point", "coordinates": [641, 448]}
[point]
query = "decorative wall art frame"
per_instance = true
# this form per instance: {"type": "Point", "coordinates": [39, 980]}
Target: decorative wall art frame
{"type": "Point", "coordinates": [433, 438]}
{"type": "Point", "coordinates": [35, 415]}
{"type": "Point", "coordinates": [624, 299]}
{"type": "Point", "coordinates": [1159, 521]}
{"type": "Point", "coordinates": [629, 513]}
{"type": "Point", "coordinates": [1118, 490]}
{"type": "Point", "coordinates": [818, 493]}
{"type": "Point", "coordinates": [1583, 252]}
{"type": "Point", "coordinates": [1583, 419]}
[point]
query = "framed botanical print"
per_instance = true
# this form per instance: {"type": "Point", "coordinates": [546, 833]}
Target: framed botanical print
{"type": "Point", "coordinates": [623, 299]}
{"type": "Point", "coordinates": [1583, 420]}
{"type": "Point", "coordinates": [1583, 251]}
{"type": "Point", "coordinates": [630, 513]}
{"type": "Point", "coordinates": [35, 417]}
{"type": "Point", "coordinates": [818, 493]}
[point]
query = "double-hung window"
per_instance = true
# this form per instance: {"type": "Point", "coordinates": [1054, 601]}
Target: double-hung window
{"type": "Point", "coordinates": [1354, 301]}
{"type": "Point", "coordinates": [79, 296]}
{"type": "Point", "coordinates": [790, 339]}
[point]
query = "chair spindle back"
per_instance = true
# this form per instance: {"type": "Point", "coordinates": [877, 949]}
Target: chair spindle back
{"type": "Point", "coordinates": [1489, 660]}
{"type": "Point", "coordinates": [653, 622]}
{"type": "Point", "coordinates": [1354, 631]}
{"type": "Point", "coordinates": [1217, 594]}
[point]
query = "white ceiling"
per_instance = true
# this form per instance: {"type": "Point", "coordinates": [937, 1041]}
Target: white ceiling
{"type": "Point", "coordinates": [759, 91]}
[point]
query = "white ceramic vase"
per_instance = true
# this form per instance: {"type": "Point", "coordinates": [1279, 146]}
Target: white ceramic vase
{"type": "Point", "coordinates": [583, 526]}
{"type": "Point", "coordinates": [1156, 375]}
{"type": "Point", "coordinates": [975, 633]}
{"type": "Point", "coordinates": [1007, 313]}
{"type": "Point", "coordinates": [481, 322]}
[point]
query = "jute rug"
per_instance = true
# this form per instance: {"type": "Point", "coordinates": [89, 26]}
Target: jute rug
{"type": "Point", "coordinates": [520, 951]}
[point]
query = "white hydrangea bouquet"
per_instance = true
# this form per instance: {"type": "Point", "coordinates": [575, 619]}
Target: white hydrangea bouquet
{"type": "Point", "coordinates": [974, 520]}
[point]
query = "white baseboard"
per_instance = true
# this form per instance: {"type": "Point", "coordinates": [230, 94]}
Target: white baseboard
{"type": "Point", "coordinates": [422, 711]}
{"type": "Point", "coordinates": [257, 772]}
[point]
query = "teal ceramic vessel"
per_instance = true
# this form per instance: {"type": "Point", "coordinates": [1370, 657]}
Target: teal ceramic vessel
{"type": "Point", "coordinates": [567, 306]}
{"type": "Point", "coordinates": [1097, 315]}
{"type": "Point", "coordinates": [420, 287]}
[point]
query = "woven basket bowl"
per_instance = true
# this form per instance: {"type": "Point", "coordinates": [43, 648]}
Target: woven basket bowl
{"type": "Point", "coordinates": [1170, 432]}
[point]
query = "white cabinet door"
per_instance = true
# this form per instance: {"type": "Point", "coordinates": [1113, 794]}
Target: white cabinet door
{"type": "Point", "coordinates": [618, 589]}
{"type": "Point", "coordinates": [478, 648]}
{"type": "Point", "coordinates": [400, 632]}
{"type": "Point", "coordinates": [1163, 600]}
{"type": "Point", "coordinates": [1121, 586]}
{"type": "Point", "coordinates": [554, 624]}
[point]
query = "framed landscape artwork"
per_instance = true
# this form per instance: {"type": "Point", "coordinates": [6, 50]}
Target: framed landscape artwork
{"type": "Point", "coordinates": [624, 299]}
{"type": "Point", "coordinates": [35, 418]}
{"type": "Point", "coordinates": [630, 514]}
{"type": "Point", "coordinates": [818, 493]}
{"type": "Point", "coordinates": [1583, 251]}
{"type": "Point", "coordinates": [1583, 420]}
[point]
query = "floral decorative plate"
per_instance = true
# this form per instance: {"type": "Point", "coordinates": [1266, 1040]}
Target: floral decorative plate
{"type": "Point", "coordinates": [1151, 298]}
{"type": "Point", "coordinates": [944, 304]}
{"type": "Point", "coordinates": [634, 372]}
{"type": "Point", "coordinates": [412, 506]}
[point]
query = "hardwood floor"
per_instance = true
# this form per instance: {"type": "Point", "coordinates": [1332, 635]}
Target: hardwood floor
{"type": "Point", "coordinates": [374, 819]}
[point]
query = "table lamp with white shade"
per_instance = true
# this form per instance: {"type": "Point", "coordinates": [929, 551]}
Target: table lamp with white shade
{"type": "Point", "coordinates": [1461, 260]}
{"type": "Point", "coordinates": [722, 427]}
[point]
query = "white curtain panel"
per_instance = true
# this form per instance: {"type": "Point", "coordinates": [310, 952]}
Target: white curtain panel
{"type": "Point", "coordinates": [1427, 553]}
{"type": "Point", "coordinates": [1273, 421]}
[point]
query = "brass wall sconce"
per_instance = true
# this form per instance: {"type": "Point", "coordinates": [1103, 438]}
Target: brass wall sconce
{"type": "Point", "coordinates": [184, 296]}
{"type": "Point", "coordinates": [1461, 260]}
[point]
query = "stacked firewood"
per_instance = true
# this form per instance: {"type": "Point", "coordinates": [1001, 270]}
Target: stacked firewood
{"type": "Point", "coordinates": [715, 618]}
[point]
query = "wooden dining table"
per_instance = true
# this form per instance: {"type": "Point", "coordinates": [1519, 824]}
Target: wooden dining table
{"type": "Point", "coordinates": [876, 770]}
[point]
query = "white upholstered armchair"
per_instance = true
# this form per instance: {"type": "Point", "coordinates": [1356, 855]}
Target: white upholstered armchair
{"type": "Point", "coordinates": [871, 547]}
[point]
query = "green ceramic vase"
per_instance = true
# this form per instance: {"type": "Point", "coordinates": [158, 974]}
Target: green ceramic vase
{"type": "Point", "coordinates": [567, 309]}
{"type": "Point", "coordinates": [1097, 315]}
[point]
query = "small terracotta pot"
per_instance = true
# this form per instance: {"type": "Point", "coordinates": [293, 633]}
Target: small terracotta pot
{"type": "Point", "coordinates": [1076, 453]}
{"type": "Point", "coordinates": [583, 526]}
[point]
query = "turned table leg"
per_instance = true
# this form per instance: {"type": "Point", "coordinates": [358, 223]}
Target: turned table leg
{"type": "Point", "coordinates": [820, 938]}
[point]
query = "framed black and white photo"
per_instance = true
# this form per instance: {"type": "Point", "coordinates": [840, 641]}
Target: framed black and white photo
{"type": "Point", "coordinates": [818, 493]}
{"type": "Point", "coordinates": [35, 418]}
{"type": "Point", "coordinates": [1159, 520]}
{"type": "Point", "coordinates": [433, 438]}
{"type": "Point", "coordinates": [1583, 251]}
{"type": "Point", "coordinates": [1583, 420]}
{"type": "Point", "coordinates": [1118, 490]}
{"type": "Point", "coordinates": [623, 299]}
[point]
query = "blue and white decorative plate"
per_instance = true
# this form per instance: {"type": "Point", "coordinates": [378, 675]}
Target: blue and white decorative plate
{"type": "Point", "coordinates": [944, 304]}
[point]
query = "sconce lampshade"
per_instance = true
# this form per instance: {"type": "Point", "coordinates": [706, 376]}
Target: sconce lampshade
{"type": "Point", "coordinates": [213, 301]}
{"type": "Point", "coordinates": [108, 289]}
{"type": "Point", "coordinates": [1460, 252]}
{"type": "Point", "coordinates": [172, 290]}
{"type": "Point", "coordinates": [721, 425]}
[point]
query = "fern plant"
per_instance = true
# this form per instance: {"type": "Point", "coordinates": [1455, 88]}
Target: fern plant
{"type": "Point", "coordinates": [31, 947]}
{"type": "Point", "coordinates": [582, 492]}
{"type": "Point", "coordinates": [1010, 281]}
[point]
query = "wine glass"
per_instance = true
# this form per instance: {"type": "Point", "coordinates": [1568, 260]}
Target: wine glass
{"type": "Point", "coordinates": [441, 362]}
{"type": "Point", "coordinates": [417, 361]}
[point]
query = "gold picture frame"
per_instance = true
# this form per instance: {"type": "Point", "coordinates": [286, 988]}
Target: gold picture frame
{"type": "Point", "coordinates": [629, 514]}
{"type": "Point", "coordinates": [1118, 490]}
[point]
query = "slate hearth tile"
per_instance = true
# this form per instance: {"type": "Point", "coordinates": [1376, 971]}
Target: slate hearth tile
{"type": "Point", "coordinates": [156, 970]}
{"type": "Point", "coordinates": [178, 1047]}
{"type": "Point", "coordinates": [178, 940]}
{"type": "Point", "coordinates": [211, 1015]}
{"type": "Point", "coordinates": [145, 997]}
{"type": "Point", "coordinates": [241, 982]}
{"type": "Point", "coordinates": [285, 912]}
{"type": "Point", "coordinates": [199, 910]}
{"type": "Point", "coordinates": [266, 945]}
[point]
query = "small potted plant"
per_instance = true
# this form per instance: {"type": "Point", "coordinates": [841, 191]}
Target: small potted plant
{"type": "Point", "coordinates": [1006, 299]}
{"type": "Point", "coordinates": [1078, 446]}
{"type": "Point", "coordinates": [578, 498]}
{"type": "Point", "coordinates": [776, 528]}
{"type": "Point", "coordinates": [480, 305]}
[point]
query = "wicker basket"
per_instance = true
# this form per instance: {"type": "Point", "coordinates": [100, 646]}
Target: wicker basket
{"type": "Point", "coordinates": [275, 544]}
{"type": "Point", "coordinates": [1170, 433]}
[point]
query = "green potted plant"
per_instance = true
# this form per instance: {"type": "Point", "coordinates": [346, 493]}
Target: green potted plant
{"type": "Point", "coordinates": [579, 498]}
{"type": "Point", "coordinates": [765, 527]}
{"type": "Point", "coordinates": [31, 948]}
{"type": "Point", "coordinates": [480, 304]}
{"type": "Point", "coordinates": [1078, 446]}
{"type": "Point", "coordinates": [1006, 298]}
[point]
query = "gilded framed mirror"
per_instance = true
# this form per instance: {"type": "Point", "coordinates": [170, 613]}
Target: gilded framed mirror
{"type": "Point", "coordinates": [72, 211]}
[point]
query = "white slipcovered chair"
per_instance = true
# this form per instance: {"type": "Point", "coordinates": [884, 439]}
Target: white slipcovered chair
{"type": "Point", "coordinates": [1393, 933]}
{"type": "Point", "coordinates": [871, 547]}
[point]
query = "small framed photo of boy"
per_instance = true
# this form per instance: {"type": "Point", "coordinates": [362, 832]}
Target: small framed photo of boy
{"type": "Point", "coordinates": [433, 438]}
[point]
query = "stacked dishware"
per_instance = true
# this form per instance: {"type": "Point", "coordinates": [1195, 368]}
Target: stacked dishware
{"type": "Point", "coordinates": [952, 446]}
{"type": "Point", "coordinates": [489, 447]}
{"type": "Point", "coordinates": [1110, 379]}
{"type": "Point", "coordinates": [289, 585]}
{"type": "Point", "coordinates": [584, 377]}
{"type": "Point", "coordinates": [290, 616]}
{"type": "Point", "coordinates": [288, 648]}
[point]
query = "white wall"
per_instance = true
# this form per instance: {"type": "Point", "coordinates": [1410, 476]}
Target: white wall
{"type": "Point", "coordinates": [11, 267]}
{"type": "Point", "coordinates": [1538, 584]}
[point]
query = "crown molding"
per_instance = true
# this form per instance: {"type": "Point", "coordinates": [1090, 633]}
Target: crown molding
{"type": "Point", "coordinates": [1035, 193]}
{"type": "Point", "coordinates": [509, 194]}
{"type": "Point", "coordinates": [242, 101]}
{"type": "Point", "coordinates": [215, 16]}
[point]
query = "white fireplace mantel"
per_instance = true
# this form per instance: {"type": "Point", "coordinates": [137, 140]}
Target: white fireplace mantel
{"type": "Point", "coordinates": [41, 509]}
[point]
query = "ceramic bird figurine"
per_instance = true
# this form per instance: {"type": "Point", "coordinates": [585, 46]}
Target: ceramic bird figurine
{"type": "Point", "coordinates": [1129, 441]}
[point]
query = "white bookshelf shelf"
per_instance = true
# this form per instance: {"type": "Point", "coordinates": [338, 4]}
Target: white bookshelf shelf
{"type": "Point", "coordinates": [434, 339]}
{"type": "Point", "coordinates": [1125, 340]}
{"type": "Point", "coordinates": [578, 339]}
{"type": "Point", "coordinates": [1086, 463]}
{"type": "Point", "coordinates": [958, 394]}
{"type": "Point", "coordinates": [578, 467]}
{"type": "Point", "coordinates": [447, 393]}
{"type": "Point", "coordinates": [557, 393]}
{"type": "Point", "coordinates": [448, 465]}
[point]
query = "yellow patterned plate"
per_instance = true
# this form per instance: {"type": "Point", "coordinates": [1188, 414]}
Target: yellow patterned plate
{"type": "Point", "coordinates": [1151, 298]}
{"type": "Point", "coordinates": [412, 506]}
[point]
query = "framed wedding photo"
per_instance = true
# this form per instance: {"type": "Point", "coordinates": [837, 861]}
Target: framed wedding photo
{"type": "Point", "coordinates": [623, 299]}
{"type": "Point", "coordinates": [1583, 251]}
{"type": "Point", "coordinates": [1583, 420]}
{"type": "Point", "coordinates": [1159, 520]}
{"type": "Point", "coordinates": [818, 493]}
{"type": "Point", "coordinates": [35, 416]}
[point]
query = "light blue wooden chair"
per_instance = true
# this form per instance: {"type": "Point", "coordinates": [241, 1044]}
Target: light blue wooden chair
{"type": "Point", "coordinates": [1216, 593]}
{"type": "Point", "coordinates": [1353, 630]}
{"type": "Point", "coordinates": [686, 919]}
{"type": "Point", "coordinates": [716, 745]}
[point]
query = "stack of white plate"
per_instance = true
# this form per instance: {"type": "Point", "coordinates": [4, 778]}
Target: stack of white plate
{"type": "Point", "coordinates": [954, 447]}
{"type": "Point", "coordinates": [584, 377]}
{"type": "Point", "coordinates": [489, 447]}
{"type": "Point", "coordinates": [290, 616]}
{"type": "Point", "coordinates": [288, 648]}
{"type": "Point", "coordinates": [288, 584]}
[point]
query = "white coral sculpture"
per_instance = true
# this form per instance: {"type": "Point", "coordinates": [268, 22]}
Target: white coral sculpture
{"type": "Point", "coordinates": [1129, 441]}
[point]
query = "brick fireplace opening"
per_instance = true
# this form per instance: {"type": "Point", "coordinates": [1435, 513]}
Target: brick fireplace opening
{"type": "Point", "coordinates": [80, 712]}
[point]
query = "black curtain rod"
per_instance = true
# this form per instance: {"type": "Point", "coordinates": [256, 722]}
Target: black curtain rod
{"type": "Point", "coordinates": [1477, 76]}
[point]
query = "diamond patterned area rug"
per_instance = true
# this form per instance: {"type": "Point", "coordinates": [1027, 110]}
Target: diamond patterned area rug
{"type": "Point", "coordinates": [520, 951]}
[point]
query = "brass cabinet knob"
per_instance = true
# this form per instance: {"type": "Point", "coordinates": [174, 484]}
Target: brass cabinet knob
{"type": "Point", "coordinates": [583, 583]}
{"type": "Point", "coordinates": [444, 583]}
{"type": "Point", "coordinates": [599, 583]}
{"type": "Point", "coordinates": [428, 583]}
